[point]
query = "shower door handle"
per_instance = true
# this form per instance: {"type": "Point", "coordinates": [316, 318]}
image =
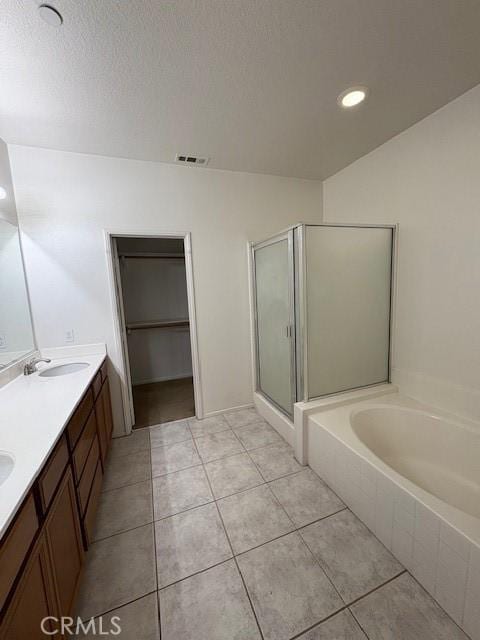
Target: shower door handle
{"type": "Point", "coordinates": [288, 331]}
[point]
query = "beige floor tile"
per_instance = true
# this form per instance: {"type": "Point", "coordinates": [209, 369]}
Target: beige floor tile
{"type": "Point", "coordinates": [123, 509]}
{"type": "Point", "coordinates": [117, 570]}
{"type": "Point", "coordinates": [211, 605]}
{"type": "Point", "coordinates": [174, 457]}
{"type": "Point", "coordinates": [218, 445]}
{"type": "Point", "coordinates": [351, 556]}
{"type": "Point", "coordinates": [232, 474]}
{"type": "Point", "coordinates": [305, 497]}
{"type": "Point", "coordinates": [288, 589]}
{"type": "Point", "coordinates": [402, 609]}
{"type": "Point", "coordinates": [179, 491]}
{"type": "Point", "coordinates": [137, 441]}
{"type": "Point", "coordinates": [137, 620]}
{"type": "Point", "coordinates": [275, 461]}
{"type": "Point", "coordinates": [169, 433]}
{"type": "Point", "coordinates": [253, 436]}
{"type": "Point", "coordinates": [253, 517]}
{"type": "Point", "coordinates": [241, 417]}
{"type": "Point", "coordinates": [189, 542]}
{"type": "Point", "coordinates": [342, 626]}
{"type": "Point", "coordinates": [207, 426]}
{"type": "Point", "coordinates": [129, 469]}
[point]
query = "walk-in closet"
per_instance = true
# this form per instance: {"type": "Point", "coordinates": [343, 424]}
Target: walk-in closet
{"type": "Point", "coordinates": [153, 285]}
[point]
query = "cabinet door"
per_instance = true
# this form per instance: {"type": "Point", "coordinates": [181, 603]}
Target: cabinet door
{"type": "Point", "coordinates": [33, 601]}
{"type": "Point", "coordinates": [65, 544]}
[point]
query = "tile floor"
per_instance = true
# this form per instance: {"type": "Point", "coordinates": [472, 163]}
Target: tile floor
{"type": "Point", "coordinates": [210, 530]}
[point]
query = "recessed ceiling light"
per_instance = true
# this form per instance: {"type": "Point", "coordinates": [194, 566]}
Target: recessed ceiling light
{"type": "Point", "coordinates": [3, 193]}
{"type": "Point", "coordinates": [351, 97]}
{"type": "Point", "coordinates": [50, 15]}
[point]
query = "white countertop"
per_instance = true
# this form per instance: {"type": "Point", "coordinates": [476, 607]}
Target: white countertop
{"type": "Point", "coordinates": [33, 413]}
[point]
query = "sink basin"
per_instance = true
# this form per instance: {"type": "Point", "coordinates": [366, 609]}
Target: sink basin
{"type": "Point", "coordinates": [63, 369]}
{"type": "Point", "coordinates": [6, 466]}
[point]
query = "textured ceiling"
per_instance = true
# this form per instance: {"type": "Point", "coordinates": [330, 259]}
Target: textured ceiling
{"type": "Point", "coordinates": [250, 83]}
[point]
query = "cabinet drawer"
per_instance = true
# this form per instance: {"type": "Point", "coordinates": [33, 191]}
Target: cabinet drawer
{"type": "Point", "coordinates": [97, 384]}
{"type": "Point", "coordinates": [15, 546]}
{"type": "Point", "coordinates": [88, 475]}
{"type": "Point", "coordinates": [52, 474]}
{"type": "Point", "coordinates": [84, 444]}
{"type": "Point", "coordinates": [104, 370]}
{"type": "Point", "coordinates": [89, 519]}
{"type": "Point", "coordinates": [79, 418]}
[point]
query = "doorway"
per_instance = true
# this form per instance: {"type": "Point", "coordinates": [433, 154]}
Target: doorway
{"type": "Point", "coordinates": [154, 295]}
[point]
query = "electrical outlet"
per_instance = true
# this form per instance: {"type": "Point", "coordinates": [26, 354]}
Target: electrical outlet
{"type": "Point", "coordinates": [3, 341]}
{"type": "Point", "coordinates": [69, 336]}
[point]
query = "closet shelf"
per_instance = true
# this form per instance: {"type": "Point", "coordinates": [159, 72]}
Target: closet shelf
{"type": "Point", "coordinates": [149, 256]}
{"type": "Point", "coordinates": [157, 324]}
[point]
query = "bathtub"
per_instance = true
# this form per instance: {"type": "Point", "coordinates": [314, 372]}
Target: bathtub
{"type": "Point", "coordinates": [412, 474]}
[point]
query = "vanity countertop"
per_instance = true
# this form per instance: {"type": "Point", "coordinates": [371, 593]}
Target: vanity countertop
{"type": "Point", "coordinates": [34, 410]}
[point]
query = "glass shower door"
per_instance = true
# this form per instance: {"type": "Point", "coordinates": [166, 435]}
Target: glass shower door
{"type": "Point", "coordinates": [348, 299]}
{"type": "Point", "coordinates": [274, 300]}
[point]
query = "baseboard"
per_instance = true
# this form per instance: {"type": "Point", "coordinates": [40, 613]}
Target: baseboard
{"type": "Point", "coordinates": [239, 407]}
{"type": "Point", "coordinates": [182, 376]}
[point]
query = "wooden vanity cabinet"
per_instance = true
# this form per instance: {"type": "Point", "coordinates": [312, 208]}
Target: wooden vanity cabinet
{"type": "Point", "coordinates": [42, 553]}
{"type": "Point", "coordinates": [14, 548]}
{"type": "Point", "coordinates": [34, 599]}
{"type": "Point", "coordinates": [89, 517]}
{"type": "Point", "coordinates": [52, 473]}
{"type": "Point", "coordinates": [49, 582]}
{"type": "Point", "coordinates": [103, 412]}
{"type": "Point", "coordinates": [65, 544]}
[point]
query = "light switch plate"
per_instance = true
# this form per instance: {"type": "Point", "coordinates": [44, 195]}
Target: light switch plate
{"type": "Point", "coordinates": [69, 336]}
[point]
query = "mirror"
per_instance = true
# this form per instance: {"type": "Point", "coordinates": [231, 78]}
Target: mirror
{"type": "Point", "coordinates": [16, 331]}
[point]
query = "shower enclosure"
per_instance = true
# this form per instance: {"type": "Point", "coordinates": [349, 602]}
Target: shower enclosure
{"type": "Point", "coordinates": [322, 297]}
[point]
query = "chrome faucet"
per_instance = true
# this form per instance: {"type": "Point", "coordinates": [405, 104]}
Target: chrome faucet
{"type": "Point", "coordinates": [31, 365]}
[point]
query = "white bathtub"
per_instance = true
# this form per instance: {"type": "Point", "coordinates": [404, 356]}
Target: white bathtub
{"type": "Point", "coordinates": [412, 474]}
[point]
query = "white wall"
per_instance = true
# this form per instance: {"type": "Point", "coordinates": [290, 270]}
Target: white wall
{"type": "Point", "coordinates": [428, 180]}
{"type": "Point", "coordinates": [65, 200]}
{"type": "Point", "coordinates": [156, 290]}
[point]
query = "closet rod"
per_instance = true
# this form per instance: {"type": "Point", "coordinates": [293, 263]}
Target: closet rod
{"type": "Point", "coordinates": [149, 256]}
{"type": "Point", "coordinates": [161, 324]}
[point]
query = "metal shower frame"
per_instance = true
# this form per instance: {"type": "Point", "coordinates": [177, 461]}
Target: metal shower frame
{"type": "Point", "coordinates": [298, 325]}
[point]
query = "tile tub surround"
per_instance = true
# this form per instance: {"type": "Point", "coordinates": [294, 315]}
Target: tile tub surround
{"type": "Point", "coordinates": [33, 414]}
{"type": "Point", "coordinates": [211, 566]}
{"type": "Point", "coordinates": [439, 556]}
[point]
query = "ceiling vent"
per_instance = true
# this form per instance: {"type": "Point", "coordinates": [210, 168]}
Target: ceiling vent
{"type": "Point", "coordinates": [193, 160]}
